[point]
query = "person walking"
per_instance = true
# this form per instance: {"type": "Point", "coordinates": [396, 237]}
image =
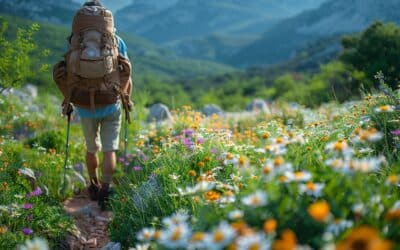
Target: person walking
{"type": "Point", "coordinates": [95, 78]}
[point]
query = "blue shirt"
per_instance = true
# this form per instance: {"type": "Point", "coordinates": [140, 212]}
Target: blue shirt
{"type": "Point", "coordinates": [108, 109]}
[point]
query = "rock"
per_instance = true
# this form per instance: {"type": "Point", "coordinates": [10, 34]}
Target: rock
{"type": "Point", "coordinates": [31, 90]}
{"type": "Point", "coordinates": [159, 112]}
{"type": "Point", "coordinates": [258, 105]}
{"type": "Point", "coordinates": [211, 109]}
{"type": "Point", "coordinates": [103, 219]}
{"type": "Point", "coordinates": [112, 246]}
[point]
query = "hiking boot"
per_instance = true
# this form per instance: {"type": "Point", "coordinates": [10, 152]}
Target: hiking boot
{"type": "Point", "coordinates": [103, 198]}
{"type": "Point", "coordinates": [93, 191]}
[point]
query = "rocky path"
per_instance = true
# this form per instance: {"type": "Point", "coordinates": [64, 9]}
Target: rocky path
{"type": "Point", "coordinates": [91, 224]}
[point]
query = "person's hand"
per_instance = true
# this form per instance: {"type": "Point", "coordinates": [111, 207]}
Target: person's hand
{"type": "Point", "coordinates": [67, 108]}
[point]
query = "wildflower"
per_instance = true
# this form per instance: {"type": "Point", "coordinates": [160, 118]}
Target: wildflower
{"type": "Point", "coordinates": [141, 247]}
{"type": "Point", "coordinates": [258, 199]}
{"type": "Point", "coordinates": [311, 188]}
{"type": "Point", "coordinates": [338, 164]}
{"type": "Point", "coordinates": [35, 244]}
{"type": "Point", "coordinates": [270, 226]}
{"type": "Point", "coordinates": [178, 218]}
{"type": "Point", "coordinates": [298, 176]}
{"type": "Point", "coordinates": [235, 214]}
{"type": "Point", "coordinates": [37, 192]}
{"type": "Point", "coordinates": [27, 231]}
{"type": "Point", "coordinates": [221, 236]}
{"type": "Point", "coordinates": [197, 241]}
{"type": "Point", "coordinates": [364, 236]}
{"type": "Point", "coordinates": [340, 146]}
{"type": "Point", "coordinates": [28, 206]}
{"type": "Point", "coordinates": [392, 180]}
{"type": "Point", "coordinates": [174, 177]}
{"type": "Point", "coordinates": [385, 109]}
{"type": "Point", "coordinates": [371, 135]}
{"type": "Point", "coordinates": [253, 242]}
{"type": "Point", "coordinates": [3, 230]}
{"type": "Point", "coordinates": [394, 212]}
{"type": "Point", "coordinates": [287, 240]}
{"type": "Point", "coordinates": [212, 196]}
{"type": "Point", "coordinates": [137, 168]}
{"type": "Point", "coordinates": [319, 211]}
{"type": "Point", "coordinates": [395, 132]}
{"type": "Point", "coordinates": [146, 234]}
{"type": "Point", "coordinates": [175, 236]}
{"type": "Point", "coordinates": [366, 164]}
{"type": "Point", "coordinates": [337, 227]}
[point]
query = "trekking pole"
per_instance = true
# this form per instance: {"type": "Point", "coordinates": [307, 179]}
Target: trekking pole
{"type": "Point", "coordinates": [126, 142]}
{"type": "Point", "coordinates": [63, 189]}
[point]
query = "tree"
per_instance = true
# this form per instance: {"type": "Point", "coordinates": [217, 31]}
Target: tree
{"type": "Point", "coordinates": [15, 60]}
{"type": "Point", "coordinates": [375, 49]}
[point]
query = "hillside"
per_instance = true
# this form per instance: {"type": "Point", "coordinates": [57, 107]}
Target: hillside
{"type": "Point", "coordinates": [333, 18]}
{"type": "Point", "coordinates": [52, 11]}
{"type": "Point", "coordinates": [148, 59]}
{"type": "Point", "coordinates": [197, 18]}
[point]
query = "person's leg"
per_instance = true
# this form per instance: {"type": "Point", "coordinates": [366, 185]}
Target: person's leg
{"type": "Point", "coordinates": [90, 129]}
{"type": "Point", "coordinates": [109, 165]}
{"type": "Point", "coordinates": [92, 163]}
{"type": "Point", "coordinates": [109, 133]}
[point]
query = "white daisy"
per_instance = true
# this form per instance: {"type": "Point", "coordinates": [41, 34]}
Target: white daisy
{"type": "Point", "coordinates": [258, 199]}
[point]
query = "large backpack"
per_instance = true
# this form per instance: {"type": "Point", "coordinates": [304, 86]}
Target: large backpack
{"type": "Point", "coordinates": [96, 75]}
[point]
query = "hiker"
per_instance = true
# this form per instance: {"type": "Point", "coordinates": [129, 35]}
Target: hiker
{"type": "Point", "coordinates": [95, 78]}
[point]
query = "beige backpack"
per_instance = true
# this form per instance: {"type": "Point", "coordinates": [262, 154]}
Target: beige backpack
{"type": "Point", "coordinates": [96, 75]}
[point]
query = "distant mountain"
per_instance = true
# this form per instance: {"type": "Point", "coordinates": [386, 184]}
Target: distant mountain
{"type": "Point", "coordinates": [113, 5]}
{"type": "Point", "coordinates": [332, 19]}
{"type": "Point", "coordinates": [171, 20]}
{"type": "Point", "coordinates": [52, 11]}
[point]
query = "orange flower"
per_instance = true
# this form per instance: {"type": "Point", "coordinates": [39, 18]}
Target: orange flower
{"type": "Point", "coordinates": [319, 211]}
{"type": "Point", "coordinates": [3, 230]}
{"type": "Point", "coordinates": [212, 195]}
{"type": "Point", "coordinates": [287, 241]}
{"type": "Point", "coordinates": [364, 238]}
{"type": "Point", "coordinates": [270, 226]}
{"type": "Point", "coordinates": [278, 161]}
{"type": "Point", "coordinates": [266, 135]}
{"type": "Point", "coordinates": [192, 173]}
{"type": "Point", "coordinates": [200, 164]}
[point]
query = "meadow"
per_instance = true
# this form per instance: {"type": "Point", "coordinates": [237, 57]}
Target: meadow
{"type": "Point", "coordinates": [293, 178]}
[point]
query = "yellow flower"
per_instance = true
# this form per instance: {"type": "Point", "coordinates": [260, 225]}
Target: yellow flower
{"type": "Point", "coordinates": [3, 230]}
{"type": "Point", "coordinates": [319, 211]}
{"type": "Point", "coordinates": [212, 195]}
{"type": "Point", "coordinates": [364, 237]}
{"type": "Point", "coordinates": [198, 236]}
{"type": "Point", "coordinates": [385, 108]}
{"type": "Point", "coordinates": [270, 226]}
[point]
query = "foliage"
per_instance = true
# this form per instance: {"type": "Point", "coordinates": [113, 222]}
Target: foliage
{"type": "Point", "coordinates": [318, 173]}
{"type": "Point", "coordinates": [16, 64]}
{"type": "Point", "coordinates": [375, 49]}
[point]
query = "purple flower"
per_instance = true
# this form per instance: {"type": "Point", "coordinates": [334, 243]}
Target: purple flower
{"type": "Point", "coordinates": [121, 159]}
{"type": "Point", "coordinates": [78, 167]}
{"type": "Point", "coordinates": [37, 192]}
{"type": "Point", "coordinates": [214, 150]}
{"type": "Point", "coordinates": [200, 140]}
{"type": "Point", "coordinates": [188, 132]}
{"type": "Point", "coordinates": [188, 143]}
{"type": "Point", "coordinates": [28, 206]}
{"type": "Point", "coordinates": [27, 231]}
{"type": "Point", "coordinates": [137, 168]}
{"type": "Point", "coordinates": [396, 132]}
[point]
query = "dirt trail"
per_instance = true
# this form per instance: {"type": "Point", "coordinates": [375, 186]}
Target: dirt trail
{"type": "Point", "coordinates": [90, 221]}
